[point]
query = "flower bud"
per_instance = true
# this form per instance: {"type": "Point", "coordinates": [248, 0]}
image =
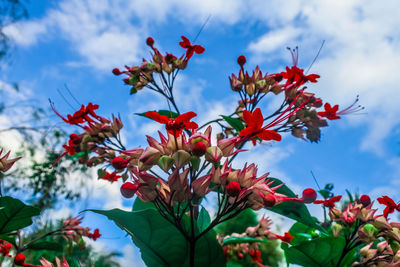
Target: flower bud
{"type": "Point", "coordinates": [150, 156]}
{"type": "Point", "coordinates": [241, 60]}
{"type": "Point", "coordinates": [368, 233]}
{"type": "Point", "coordinates": [269, 201]}
{"type": "Point", "coordinates": [233, 189]}
{"type": "Point", "coordinates": [199, 149]}
{"type": "Point", "coordinates": [335, 214]}
{"type": "Point", "coordinates": [195, 161]}
{"type": "Point", "coordinates": [129, 189]}
{"type": "Point", "coordinates": [181, 158]}
{"type": "Point", "coordinates": [165, 163]}
{"type": "Point", "coordinates": [309, 195]}
{"type": "Point", "coordinates": [395, 246]}
{"type": "Point", "coordinates": [119, 163]}
{"type": "Point", "coordinates": [337, 229]}
{"type": "Point", "coordinates": [19, 259]}
{"type": "Point", "coordinates": [116, 71]}
{"type": "Point", "coordinates": [213, 154]}
{"type": "Point", "coordinates": [365, 200]}
{"type": "Point", "coordinates": [150, 42]}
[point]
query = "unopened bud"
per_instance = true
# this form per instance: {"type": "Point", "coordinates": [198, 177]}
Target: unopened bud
{"type": "Point", "coordinates": [269, 201]}
{"type": "Point", "coordinates": [150, 42]}
{"type": "Point", "coordinates": [116, 71]}
{"type": "Point", "coordinates": [129, 189]}
{"type": "Point", "coordinates": [337, 229]}
{"type": "Point", "coordinates": [165, 163]}
{"type": "Point", "coordinates": [199, 149]}
{"type": "Point", "coordinates": [233, 189]}
{"type": "Point", "coordinates": [181, 158]}
{"type": "Point", "coordinates": [19, 259]}
{"type": "Point", "coordinates": [365, 200]}
{"type": "Point", "coordinates": [241, 60]}
{"type": "Point", "coordinates": [309, 195]}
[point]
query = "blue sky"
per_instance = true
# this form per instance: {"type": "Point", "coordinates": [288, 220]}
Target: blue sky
{"type": "Point", "coordinates": [78, 42]}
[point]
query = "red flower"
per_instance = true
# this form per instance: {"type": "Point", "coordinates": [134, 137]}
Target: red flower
{"type": "Point", "coordinates": [330, 112]}
{"type": "Point", "coordinates": [391, 206]}
{"type": "Point", "coordinates": [174, 126]}
{"type": "Point", "coordinates": [233, 189]}
{"type": "Point", "coordinates": [295, 76]}
{"type": "Point", "coordinates": [96, 234]}
{"type": "Point", "coordinates": [112, 177]}
{"type": "Point", "coordinates": [119, 163]}
{"type": "Point", "coordinates": [5, 249]}
{"type": "Point", "coordinates": [190, 49]}
{"type": "Point", "coordinates": [287, 237]}
{"type": "Point", "coordinates": [329, 203]}
{"type": "Point", "coordinates": [255, 127]}
{"type": "Point", "coordinates": [83, 115]}
{"type": "Point", "coordinates": [255, 255]}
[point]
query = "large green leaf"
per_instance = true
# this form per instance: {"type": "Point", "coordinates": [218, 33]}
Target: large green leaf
{"type": "Point", "coordinates": [324, 251]}
{"type": "Point", "coordinates": [234, 122]}
{"type": "Point", "coordinates": [15, 214]}
{"type": "Point", "coordinates": [204, 220]}
{"type": "Point", "coordinates": [167, 113]}
{"type": "Point", "coordinates": [292, 209]}
{"type": "Point", "coordinates": [160, 243]}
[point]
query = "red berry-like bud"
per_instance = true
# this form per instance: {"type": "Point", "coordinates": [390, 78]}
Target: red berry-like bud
{"type": "Point", "coordinates": [19, 259]}
{"type": "Point", "coordinates": [269, 201]}
{"type": "Point", "coordinates": [150, 42]}
{"type": "Point", "coordinates": [199, 149]}
{"type": "Point", "coordinates": [233, 189]}
{"type": "Point", "coordinates": [129, 189]}
{"type": "Point", "coordinates": [116, 71]}
{"type": "Point", "coordinates": [119, 163]}
{"type": "Point", "coordinates": [309, 195]}
{"type": "Point", "coordinates": [241, 60]}
{"type": "Point", "coordinates": [365, 200]}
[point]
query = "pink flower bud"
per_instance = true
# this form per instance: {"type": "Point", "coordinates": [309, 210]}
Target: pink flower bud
{"type": "Point", "coordinates": [241, 60]}
{"type": "Point", "coordinates": [309, 195]}
{"type": "Point", "coordinates": [233, 189]}
{"type": "Point", "coordinates": [116, 71]}
{"type": "Point", "coordinates": [201, 185]}
{"type": "Point", "coordinates": [150, 156]}
{"type": "Point", "coordinates": [181, 158]}
{"type": "Point", "coordinates": [129, 189]}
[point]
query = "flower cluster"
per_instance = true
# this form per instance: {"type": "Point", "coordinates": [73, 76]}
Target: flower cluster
{"type": "Point", "coordinates": [5, 248]}
{"type": "Point", "coordinates": [168, 65]}
{"type": "Point", "coordinates": [259, 232]}
{"type": "Point", "coordinates": [73, 231]}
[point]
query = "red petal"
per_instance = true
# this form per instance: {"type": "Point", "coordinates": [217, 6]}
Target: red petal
{"type": "Point", "coordinates": [247, 131]}
{"type": "Point", "coordinates": [185, 43]}
{"type": "Point", "coordinates": [248, 118]}
{"type": "Point", "coordinates": [199, 49]}
{"type": "Point", "coordinates": [269, 135]}
{"type": "Point", "coordinates": [258, 118]}
{"type": "Point", "coordinates": [186, 117]}
{"type": "Point", "coordinates": [157, 117]}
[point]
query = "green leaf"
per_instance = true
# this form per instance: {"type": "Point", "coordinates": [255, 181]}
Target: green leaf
{"type": "Point", "coordinates": [15, 214]}
{"type": "Point", "coordinates": [349, 195]}
{"type": "Point", "coordinates": [324, 251]}
{"type": "Point", "coordinates": [234, 122]}
{"type": "Point", "coordinates": [167, 113]}
{"type": "Point", "coordinates": [141, 205]}
{"type": "Point", "coordinates": [294, 210]}
{"type": "Point", "coordinates": [46, 245]}
{"type": "Point", "coordinates": [204, 220]}
{"type": "Point", "coordinates": [161, 244]}
{"type": "Point", "coordinates": [324, 193]}
{"type": "Point", "coordinates": [238, 240]}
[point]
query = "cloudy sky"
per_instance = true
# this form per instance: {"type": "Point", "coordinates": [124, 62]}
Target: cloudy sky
{"type": "Point", "coordinates": [79, 42]}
